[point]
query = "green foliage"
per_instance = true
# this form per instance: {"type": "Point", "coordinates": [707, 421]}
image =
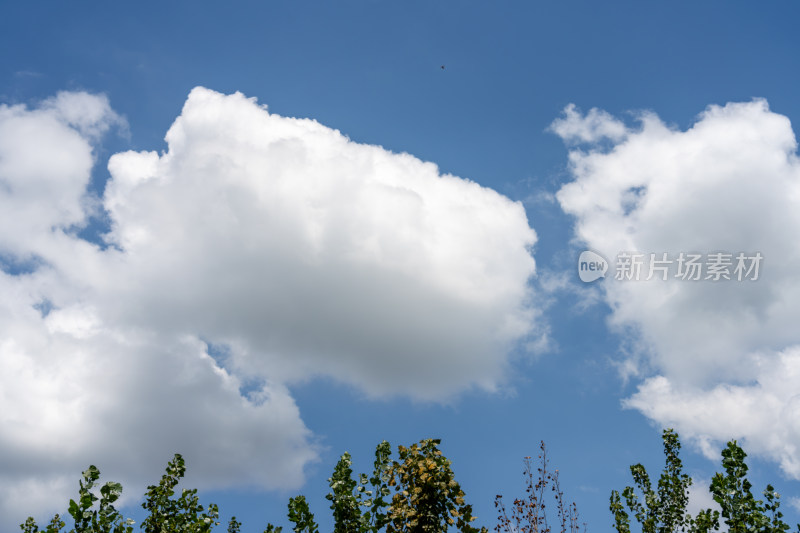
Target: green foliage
{"type": "Point", "coordinates": [348, 497]}
{"type": "Point", "coordinates": [742, 512]}
{"type": "Point", "coordinates": [167, 515]}
{"type": "Point", "coordinates": [55, 525]}
{"type": "Point", "coordinates": [345, 503]}
{"type": "Point", "coordinates": [528, 515]}
{"type": "Point", "coordinates": [427, 498]}
{"type": "Point", "coordinates": [664, 511]}
{"type": "Point", "coordinates": [376, 518]}
{"type": "Point", "coordinates": [234, 525]}
{"type": "Point", "coordinates": [182, 515]}
{"type": "Point", "coordinates": [104, 519]}
{"type": "Point", "coordinates": [300, 515]}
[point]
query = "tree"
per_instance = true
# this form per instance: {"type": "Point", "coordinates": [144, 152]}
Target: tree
{"type": "Point", "coordinates": [664, 511]}
{"type": "Point", "coordinates": [182, 515]}
{"type": "Point", "coordinates": [742, 512]}
{"type": "Point", "coordinates": [427, 499]}
{"type": "Point", "coordinates": [375, 516]}
{"type": "Point", "coordinates": [301, 516]}
{"type": "Point", "coordinates": [427, 496]}
{"type": "Point", "coordinates": [348, 496]}
{"type": "Point", "coordinates": [234, 525]}
{"type": "Point", "coordinates": [528, 515]}
{"type": "Point", "coordinates": [105, 519]}
{"type": "Point", "coordinates": [55, 525]}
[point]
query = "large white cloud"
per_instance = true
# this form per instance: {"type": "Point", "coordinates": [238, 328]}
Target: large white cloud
{"type": "Point", "coordinates": [256, 252]}
{"type": "Point", "coordinates": [312, 254]}
{"type": "Point", "coordinates": [77, 392]}
{"type": "Point", "coordinates": [78, 388]}
{"type": "Point", "coordinates": [721, 355]}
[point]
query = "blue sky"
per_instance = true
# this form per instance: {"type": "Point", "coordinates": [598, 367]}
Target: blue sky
{"type": "Point", "coordinates": [353, 293]}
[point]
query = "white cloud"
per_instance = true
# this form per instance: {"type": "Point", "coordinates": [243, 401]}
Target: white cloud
{"type": "Point", "coordinates": [764, 415]}
{"type": "Point", "coordinates": [44, 165]}
{"type": "Point", "coordinates": [318, 255]}
{"type": "Point", "coordinates": [700, 499]}
{"type": "Point", "coordinates": [77, 388]}
{"type": "Point", "coordinates": [89, 114]}
{"type": "Point", "coordinates": [593, 127]}
{"type": "Point", "coordinates": [126, 403]}
{"type": "Point", "coordinates": [300, 252]}
{"type": "Point", "coordinates": [722, 353]}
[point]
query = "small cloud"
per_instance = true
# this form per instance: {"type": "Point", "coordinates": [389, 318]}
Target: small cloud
{"type": "Point", "coordinates": [28, 74]}
{"type": "Point", "coordinates": [552, 283]}
{"type": "Point", "coordinates": [592, 127]}
{"type": "Point", "coordinates": [539, 198]}
{"type": "Point", "coordinates": [700, 498]}
{"type": "Point", "coordinates": [90, 114]}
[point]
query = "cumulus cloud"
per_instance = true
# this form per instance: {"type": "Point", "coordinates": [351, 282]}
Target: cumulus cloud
{"type": "Point", "coordinates": [77, 388]}
{"type": "Point", "coordinates": [720, 354]}
{"type": "Point", "coordinates": [44, 164]}
{"type": "Point", "coordinates": [317, 255]}
{"type": "Point", "coordinates": [86, 393]}
{"type": "Point", "coordinates": [765, 414]}
{"type": "Point", "coordinates": [276, 241]}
